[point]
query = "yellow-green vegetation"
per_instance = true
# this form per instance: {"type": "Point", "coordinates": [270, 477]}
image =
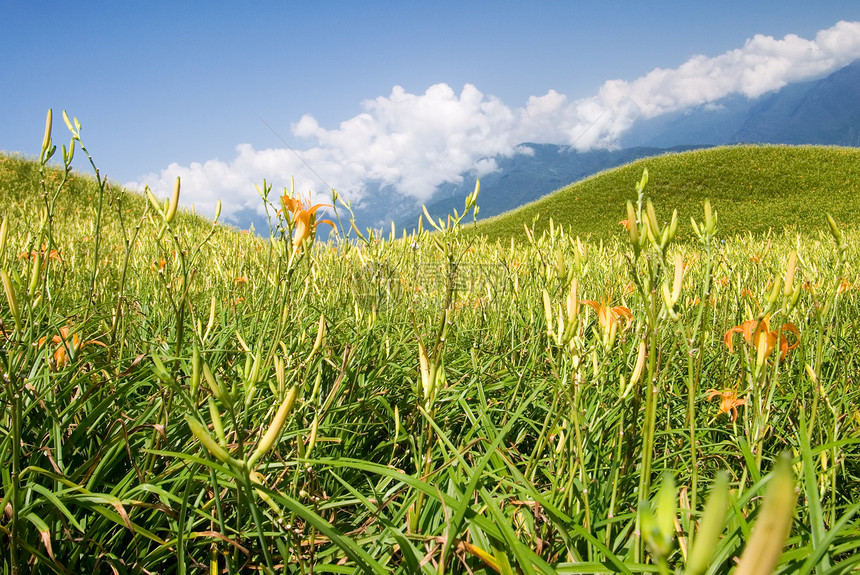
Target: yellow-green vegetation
{"type": "Point", "coordinates": [179, 397]}
{"type": "Point", "coordinates": [756, 188]}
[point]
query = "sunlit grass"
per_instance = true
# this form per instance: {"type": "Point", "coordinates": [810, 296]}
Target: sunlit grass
{"type": "Point", "coordinates": [755, 188]}
{"type": "Point", "coordinates": [198, 399]}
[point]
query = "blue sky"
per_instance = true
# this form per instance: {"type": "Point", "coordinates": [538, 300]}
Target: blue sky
{"type": "Point", "coordinates": [407, 94]}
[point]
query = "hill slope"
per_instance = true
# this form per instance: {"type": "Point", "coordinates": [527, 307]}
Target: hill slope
{"type": "Point", "coordinates": [77, 204]}
{"type": "Point", "coordinates": [753, 188]}
{"type": "Point", "coordinates": [525, 177]}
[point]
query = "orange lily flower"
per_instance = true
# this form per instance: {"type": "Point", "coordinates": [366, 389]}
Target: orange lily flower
{"type": "Point", "coordinates": [609, 318]}
{"type": "Point", "coordinates": [304, 217]}
{"type": "Point", "coordinates": [758, 334]}
{"type": "Point", "coordinates": [43, 252]}
{"type": "Point", "coordinates": [625, 223]}
{"type": "Point", "coordinates": [61, 357]}
{"type": "Point", "coordinates": [729, 401]}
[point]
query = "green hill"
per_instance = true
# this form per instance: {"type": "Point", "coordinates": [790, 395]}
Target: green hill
{"type": "Point", "coordinates": [21, 198]}
{"type": "Point", "coordinates": [753, 188]}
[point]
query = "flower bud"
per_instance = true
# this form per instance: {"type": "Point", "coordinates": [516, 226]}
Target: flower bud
{"type": "Point", "coordinates": [202, 434]}
{"type": "Point", "coordinates": [46, 141]}
{"type": "Point", "coordinates": [710, 217]}
{"type": "Point", "coordinates": [643, 181]}
{"type": "Point", "coordinates": [4, 232]}
{"type": "Point", "coordinates": [68, 122]}
{"type": "Point", "coordinates": [789, 274]}
{"type": "Point", "coordinates": [633, 226]}
{"type": "Point", "coordinates": [275, 427]}
{"type": "Point", "coordinates": [174, 203]}
{"type": "Point", "coordinates": [547, 311]}
{"type": "Point", "coordinates": [217, 424]}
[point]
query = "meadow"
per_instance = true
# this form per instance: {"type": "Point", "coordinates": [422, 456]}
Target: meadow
{"type": "Point", "coordinates": [180, 397]}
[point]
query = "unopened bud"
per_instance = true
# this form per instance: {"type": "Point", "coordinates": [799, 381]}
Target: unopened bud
{"type": "Point", "coordinates": [46, 141]}
{"type": "Point", "coordinates": [710, 217]}
{"type": "Point", "coordinates": [547, 310]}
{"type": "Point", "coordinates": [68, 122]}
{"type": "Point", "coordinates": [633, 225]}
{"type": "Point", "coordinates": [652, 226]}
{"type": "Point", "coordinates": [202, 434]}
{"type": "Point", "coordinates": [789, 274]}
{"type": "Point", "coordinates": [834, 229]}
{"type": "Point", "coordinates": [643, 181]}
{"type": "Point", "coordinates": [4, 232]}
{"type": "Point", "coordinates": [174, 203]}
{"type": "Point", "coordinates": [275, 427]}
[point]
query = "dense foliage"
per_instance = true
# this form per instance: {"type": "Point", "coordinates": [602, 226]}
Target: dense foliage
{"type": "Point", "coordinates": [181, 397]}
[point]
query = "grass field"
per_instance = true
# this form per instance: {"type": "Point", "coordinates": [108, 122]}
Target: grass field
{"type": "Point", "coordinates": [181, 397]}
{"type": "Point", "coordinates": [755, 188]}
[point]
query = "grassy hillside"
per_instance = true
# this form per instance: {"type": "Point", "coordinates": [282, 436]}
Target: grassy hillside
{"type": "Point", "coordinates": [21, 193]}
{"type": "Point", "coordinates": [753, 188]}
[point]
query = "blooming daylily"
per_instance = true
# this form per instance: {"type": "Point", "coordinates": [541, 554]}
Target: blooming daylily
{"type": "Point", "coordinates": [61, 357]}
{"type": "Point", "coordinates": [759, 335]}
{"type": "Point", "coordinates": [729, 401]}
{"type": "Point", "coordinates": [43, 253]}
{"type": "Point", "coordinates": [304, 217]}
{"type": "Point", "coordinates": [609, 317]}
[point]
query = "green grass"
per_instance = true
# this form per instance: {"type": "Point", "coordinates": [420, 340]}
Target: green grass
{"type": "Point", "coordinates": [21, 195]}
{"type": "Point", "coordinates": [754, 188]}
{"type": "Point", "coordinates": [188, 398]}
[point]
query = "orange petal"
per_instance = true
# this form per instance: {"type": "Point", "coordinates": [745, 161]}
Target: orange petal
{"type": "Point", "coordinates": [60, 357]}
{"type": "Point", "coordinates": [727, 339]}
{"type": "Point", "coordinates": [291, 204]}
{"type": "Point", "coordinates": [625, 313]}
{"type": "Point", "coordinates": [793, 329]}
{"type": "Point", "coordinates": [318, 206]}
{"type": "Point", "coordinates": [303, 228]}
{"type": "Point", "coordinates": [597, 307]}
{"type": "Point", "coordinates": [784, 346]}
{"type": "Point", "coordinates": [749, 327]}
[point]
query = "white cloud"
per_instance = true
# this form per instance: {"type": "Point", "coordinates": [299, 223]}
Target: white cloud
{"type": "Point", "coordinates": [415, 142]}
{"type": "Point", "coordinates": [762, 65]}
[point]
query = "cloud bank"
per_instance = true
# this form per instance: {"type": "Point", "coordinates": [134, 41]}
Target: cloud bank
{"type": "Point", "coordinates": [415, 142]}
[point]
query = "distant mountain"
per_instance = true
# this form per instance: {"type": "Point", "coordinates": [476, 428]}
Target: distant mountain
{"type": "Point", "coordinates": [822, 112]}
